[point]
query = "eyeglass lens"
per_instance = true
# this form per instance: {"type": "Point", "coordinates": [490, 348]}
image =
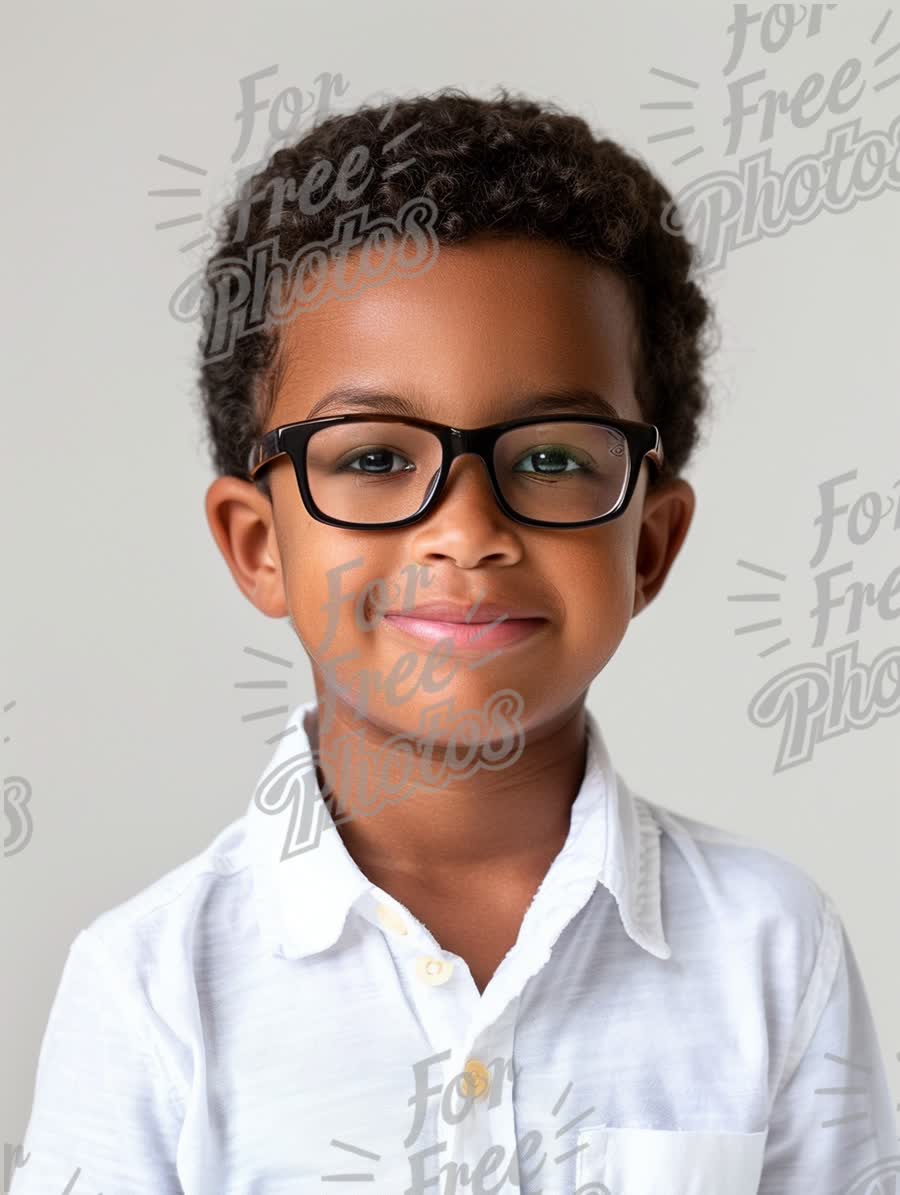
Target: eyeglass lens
{"type": "Point", "coordinates": [376, 472]}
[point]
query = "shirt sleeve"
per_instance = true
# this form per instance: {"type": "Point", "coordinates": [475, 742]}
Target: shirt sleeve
{"type": "Point", "coordinates": [832, 1124]}
{"type": "Point", "coordinates": [104, 1116]}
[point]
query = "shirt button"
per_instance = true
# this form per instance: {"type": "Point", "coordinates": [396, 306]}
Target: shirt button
{"type": "Point", "coordinates": [433, 970]}
{"type": "Point", "coordinates": [475, 1080]}
{"type": "Point", "coordinates": [391, 919]}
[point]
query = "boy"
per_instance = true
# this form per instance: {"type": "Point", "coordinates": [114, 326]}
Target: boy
{"type": "Point", "coordinates": [448, 948]}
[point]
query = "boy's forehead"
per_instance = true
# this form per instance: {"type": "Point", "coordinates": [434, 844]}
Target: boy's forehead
{"type": "Point", "coordinates": [487, 322]}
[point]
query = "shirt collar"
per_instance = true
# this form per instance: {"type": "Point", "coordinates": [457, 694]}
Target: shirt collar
{"type": "Point", "coordinates": [306, 881]}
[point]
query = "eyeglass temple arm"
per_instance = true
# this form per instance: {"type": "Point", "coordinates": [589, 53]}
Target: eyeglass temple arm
{"type": "Point", "coordinates": [265, 448]}
{"type": "Point", "coordinates": [656, 454]}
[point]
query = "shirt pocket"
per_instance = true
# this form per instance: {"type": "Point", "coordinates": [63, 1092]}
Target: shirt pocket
{"type": "Point", "coordinates": [647, 1161]}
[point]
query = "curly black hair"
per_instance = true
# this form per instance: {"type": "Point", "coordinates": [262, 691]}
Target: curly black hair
{"type": "Point", "coordinates": [508, 167]}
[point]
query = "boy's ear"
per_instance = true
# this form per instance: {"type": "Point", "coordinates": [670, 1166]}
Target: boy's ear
{"type": "Point", "coordinates": [241, 520]}
{"type": "Point", "coordinates": [667, 514]}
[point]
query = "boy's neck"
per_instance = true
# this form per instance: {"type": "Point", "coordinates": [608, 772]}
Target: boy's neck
{"type": "Point", "coordinates": [480, 824]}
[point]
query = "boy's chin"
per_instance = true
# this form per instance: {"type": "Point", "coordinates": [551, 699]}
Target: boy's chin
{"type": "Point", "coordinates": [474, 708]}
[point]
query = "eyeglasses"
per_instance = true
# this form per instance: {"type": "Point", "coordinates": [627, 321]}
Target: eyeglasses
{"type": "Point", "coordinates": [370, 474]}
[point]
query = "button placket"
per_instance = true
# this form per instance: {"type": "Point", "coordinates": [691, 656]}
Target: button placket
{"type": "Point", "coordinates": [483, 1074]}
{"type": "Point", "coordinates": [431, 978]}
{"type": "Point", "coordinates": [451, 1014]}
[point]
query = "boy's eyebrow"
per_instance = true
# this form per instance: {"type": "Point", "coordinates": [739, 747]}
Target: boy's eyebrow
{"type": "Point", "coordinates": [579, 399]}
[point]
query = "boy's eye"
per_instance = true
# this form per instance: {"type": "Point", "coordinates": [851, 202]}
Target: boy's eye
{"type": "Point", "coordinates": [375, 461]}
{"type": "Point", "coordinates": [550, 459]}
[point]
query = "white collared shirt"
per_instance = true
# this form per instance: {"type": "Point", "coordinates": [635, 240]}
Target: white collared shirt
{"type": "Point", "coordinates": [681, 1012]}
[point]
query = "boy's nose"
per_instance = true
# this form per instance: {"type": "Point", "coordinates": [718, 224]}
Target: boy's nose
{"type": "Point", "coordinates": [466, 478]}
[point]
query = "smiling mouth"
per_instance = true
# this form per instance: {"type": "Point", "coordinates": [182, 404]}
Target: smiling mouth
{"type": "Point", "coordinates": [500, 632]}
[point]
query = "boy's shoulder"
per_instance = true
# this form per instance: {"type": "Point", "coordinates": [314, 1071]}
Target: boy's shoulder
{"type": "Point", "coordinates": [748, 883]}
{"type": "Point", "coordinates": [216, 875]}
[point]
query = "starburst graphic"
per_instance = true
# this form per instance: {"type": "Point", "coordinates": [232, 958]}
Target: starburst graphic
{"type": "Point", "coordinates": [768, 624]}
{"type": "Point", "coordinates": [9, 705]}
{"type": "Point", "coordinates": [181, 193]}
{"type": "Point", "coordinates": [271, 711]}
{"type": "Point", "coordinates": [858, 1074]}
{"type": "Point", "coordinates": [672, 106]}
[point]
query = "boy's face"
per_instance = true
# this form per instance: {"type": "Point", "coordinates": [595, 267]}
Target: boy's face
{"type": "Point", "coordinates": [487, 324]}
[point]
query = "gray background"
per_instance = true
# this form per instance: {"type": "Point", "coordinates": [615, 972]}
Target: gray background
{"type": "Point", "coordinates": [123, 635]}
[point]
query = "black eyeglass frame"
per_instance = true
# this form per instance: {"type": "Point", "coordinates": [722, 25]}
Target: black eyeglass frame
{"type": "Point", "coordinates": [292, 439]}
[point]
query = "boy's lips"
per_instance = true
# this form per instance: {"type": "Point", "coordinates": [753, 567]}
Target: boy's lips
{"type": "Point", "coordinates": [488, 624]}
{"type": "Point", "coordinates": [471, 612]}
